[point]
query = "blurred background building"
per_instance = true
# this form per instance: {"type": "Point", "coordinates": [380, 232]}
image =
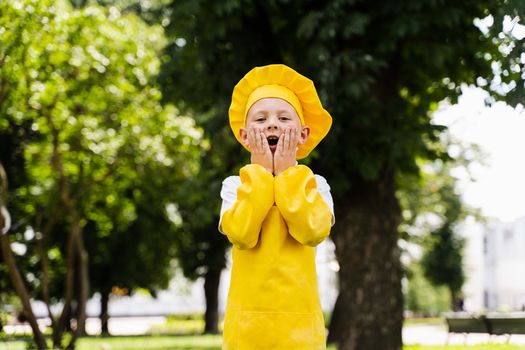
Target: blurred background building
{"type": "Point", "coordinates": [504, 266]}
{"type": "Point", "coordinates": [495, 266]}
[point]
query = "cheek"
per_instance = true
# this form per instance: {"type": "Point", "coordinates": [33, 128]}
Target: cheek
{"type": "Point", "coordinates": [255, 126]}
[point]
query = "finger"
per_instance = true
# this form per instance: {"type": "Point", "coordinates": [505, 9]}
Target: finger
{"type": "Point", "coordinates": [280, 143]}
{"type": "Point", "coordinates": [255, 140]}
{"type": "Point", "coordinates": [262, 139]}
{"type": "Point", "coordinates": [265, 145]}
{"type": "Point", "coordinates": [293, 139]}
{"type": "Point", "coordinates": [286, 140]}
{"type": "Point", "coordinates": [252, 139]}
{"type": "Point", "coordinates": [259, 141]}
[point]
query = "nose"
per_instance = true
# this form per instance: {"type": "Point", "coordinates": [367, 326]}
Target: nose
{"type": "Point", "coordinates": [272, 124]}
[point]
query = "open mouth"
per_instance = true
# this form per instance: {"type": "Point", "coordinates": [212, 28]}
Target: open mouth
{"type": "Point", "coordinates": [272, 140]}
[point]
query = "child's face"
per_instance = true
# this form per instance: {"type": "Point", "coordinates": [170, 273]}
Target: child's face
{"type": "Point", "coordinates": [273, 116]}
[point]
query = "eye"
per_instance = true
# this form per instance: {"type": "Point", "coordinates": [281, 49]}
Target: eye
{"type": "Point", "coordinates": [284, 118]}
{"type": "Point", "coordinates": [260, 118]}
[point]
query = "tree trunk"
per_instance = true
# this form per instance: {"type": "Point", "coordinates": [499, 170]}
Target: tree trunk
{"type": "Point", "coordinates": [12, 269]}
{"type": "Point", "coordinates": [83, 283]}
{"type": "Point", "coordinates": [457, 300]}
{"type": "Point", "coordinates": [83, 292]}
{"type": "Point", "coordinates": [336, 331]}
{"type": "Point", "coordinates": [369, 309]}
{"type": "Point", "coordinates": [104, 312]}
{"type": "Point", "coordinates": [20, 289]}
{"type": "Point", "coordinates": [453, 301]}
{"type": "Point", "coordinates": [65, 316]}
{"type": "Point", "coordinates": [41, 238]}
{"type": "Point", "coordinates": [211, 293]}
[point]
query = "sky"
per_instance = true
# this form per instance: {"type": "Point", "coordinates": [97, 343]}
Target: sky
{"type": "Point", "coordinates": [499, 186]}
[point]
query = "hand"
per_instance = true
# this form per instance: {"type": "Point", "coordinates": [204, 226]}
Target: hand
{"type": "Point", "coordinates": [260, 150]}
{"type": "Point", "coordinates": [286, 152]}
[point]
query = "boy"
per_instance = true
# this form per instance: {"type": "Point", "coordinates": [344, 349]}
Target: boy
{"type": "Point", "coordinates": [275, 213]}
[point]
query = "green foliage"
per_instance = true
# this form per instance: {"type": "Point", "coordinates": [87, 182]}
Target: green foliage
{"type": "Point", "coordinates": [432, 209]}
{"type": "Point", "coordinates": [443, 254]}
{"type": "Point", "coordinates": [151, 11]}
{"type": "Point", "coordinates": [380, 67]}
{"type": "Point", "coordinates": [421, 297]}
{"type": "Point", "coordinates": [82, 82]}
{"type": "Point", "coordinates": [9, 308]}
{"type": "Point", "coordinates": [508, 64]}
{"type": "Point", "coordinates": [443, 259]}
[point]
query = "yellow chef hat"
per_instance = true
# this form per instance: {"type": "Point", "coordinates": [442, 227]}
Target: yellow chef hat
{"type": "Point", "coordinates": [280, 81]}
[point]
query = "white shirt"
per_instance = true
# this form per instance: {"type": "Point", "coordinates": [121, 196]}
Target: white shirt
{"type": "Point", "coordinates": [232, 183]}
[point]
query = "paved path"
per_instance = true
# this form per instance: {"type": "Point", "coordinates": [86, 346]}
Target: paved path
{"type": "Point", "coordinates": [438, 335]}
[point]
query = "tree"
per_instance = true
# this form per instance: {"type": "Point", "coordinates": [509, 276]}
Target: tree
{"type": "Point", "coordinates": [200, 251]}
{"type": "Point", "coordinates": [442, 259]}
{"type": "Point", "coordinates": [145, 261]}
{"type": "Point", "coordinates": [443, 262]}
{"type": "Point", "coordinates": [421, 297]}
{"type": "Point", "coordinates": [83, 81]}
{"type": "Point", "coordinates": [432, 210]}
{"type": "Point", "coordinates": [381, 68]}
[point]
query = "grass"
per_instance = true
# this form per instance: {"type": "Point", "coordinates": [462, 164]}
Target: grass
{"type": "Point", "coordinates": [434, 321]}
{"type": "Point", "coordinates": [186, 342]}
{"type": "Point", "coordinates": [174, 326]}
{"type": "Point", "coordinates": [202, 342]}
{"type": "Point", "coordinates": [183, 333]}
{"type": "Point", "coordinates": [467, 347]}
{"type": "Point", "coordinates": [13, 344]}
{"type": "Point", "coordinates": [158, 342]}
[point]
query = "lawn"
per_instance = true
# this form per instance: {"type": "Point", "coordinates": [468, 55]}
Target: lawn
{"type": "Point", "coordinates": [157, 342]}
{"type": "Point", "coordinates": [179, 332]}
{"type": "Point", "coordinates": [186, 342]}
{"type": "Point", "coordinates": [467, 347]}
{"type": "Point", "coordinates": [203, 342]}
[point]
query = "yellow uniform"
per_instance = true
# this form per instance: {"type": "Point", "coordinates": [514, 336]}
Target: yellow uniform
{"type": "Point", "coordinates": [274, 225]}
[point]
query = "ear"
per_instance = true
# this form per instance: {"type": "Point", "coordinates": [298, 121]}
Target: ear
{"type": "Point", "coordinates": [305, 132]}
{"type": "Point", "coordinates": [243, 134]}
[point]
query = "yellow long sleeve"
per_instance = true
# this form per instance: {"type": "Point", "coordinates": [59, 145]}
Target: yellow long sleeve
{"type": "Point", "coordinates": [306, 213]}
{"type": "Point", "coordinates": [255, 196]}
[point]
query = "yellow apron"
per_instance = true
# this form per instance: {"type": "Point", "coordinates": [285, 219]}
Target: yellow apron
{"type": "Point", "coordinates": [274, 225]}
